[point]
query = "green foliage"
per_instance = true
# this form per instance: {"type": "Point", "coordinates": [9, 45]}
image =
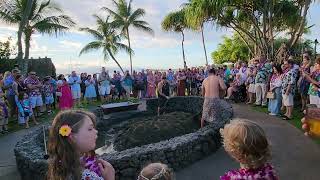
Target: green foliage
{"type": "Point", "coordinates": [231, 50]}
{"type": "Point", "coordinates": [45, 18]}
{"type": "Point", "coordinates": [106, 38]}
{"type": "Point", "coordinates": [6, 49]}
{"type": "Point", "coordinates": [175, 21]}
{"type": "Point", "coordinates": [125, 16]}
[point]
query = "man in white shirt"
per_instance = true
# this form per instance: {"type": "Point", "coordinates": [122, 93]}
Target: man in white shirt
{"type": "Point", "coordinates": [74, 81]}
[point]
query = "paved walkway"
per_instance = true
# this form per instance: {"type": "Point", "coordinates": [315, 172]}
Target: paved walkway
{"type": "Point", "coordinates": [295, 156]}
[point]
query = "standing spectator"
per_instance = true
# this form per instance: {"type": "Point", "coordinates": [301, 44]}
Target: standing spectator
{"type": "Point", "coordinates": [9, 79]}
{"type": "Point", "coordinates": [4, 115]}
{"type": "Point", "coordinates": [96, 86]}
{"type": "Point", "coordinates": [54, 85]}
{"type": "Point", "coordinates": [151, 90]}
{"type": "Point", "coordinates": [33, 86]}
{"type": "Point", "coordinates": [145, 83]}
{"type": "Point", "coordinates": [250, 83]}
{"type": "Point", "coordinates": [172, 81]}
{"type": "Point", "coordinates": [48, 94]}
{"type": "Point", "coordinates": [25, 109]}
{"type": "Point", "coordinates": [74, 81]}
{"type": "Point", "coordinates": [261, 82]}
{"type": "Point", "coordinates": [288, 88]}
{"type": "Point", "coordinates": [275, 87]}
{"type": "Point", "coordinates": [181, 84]}
{"type": "Point", "coordinates": [314, 79]}
{"type": "Point", "coordinates": [105, 85]}
{"type": "Point", "coordinates": [127, 82]}
{"type": "Point", "coordinates": [139, 81]}
{"type": "Point", "coordinates": [303, 83]}
{"type": "Point", "coordinates": [83, 78]}
{"type": "Point", "coordinates": [65, 95]}
{"type": "Point", "coordinates": [90, 89]}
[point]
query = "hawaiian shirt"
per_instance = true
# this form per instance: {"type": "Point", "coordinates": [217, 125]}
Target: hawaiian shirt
{"type": "Point", "coordinates": [263, 73]}
{"type": "Point", "coordinates": [47, 90]}
{"type": "Point", "coordinates": [8, 83]}
{"type": "Point", "coordinates": [264, 173]}
{"type": "Point", "coordinates": [33, 92]}
{"type": "Point", "coordinates": [316, 76]}
{"type": "Point", "coordinates": [289, 78]}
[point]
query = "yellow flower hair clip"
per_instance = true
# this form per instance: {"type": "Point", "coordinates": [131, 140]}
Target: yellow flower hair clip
{"type": "Point", "coordinates": [65, 130]}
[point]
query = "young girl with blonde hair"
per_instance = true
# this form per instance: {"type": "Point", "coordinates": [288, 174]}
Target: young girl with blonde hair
{"type": "Point", "coordinates": [246, 142]}
{"type": "Point", "coordinates": [156, 171]}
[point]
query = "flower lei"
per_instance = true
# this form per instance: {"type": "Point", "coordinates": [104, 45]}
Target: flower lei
{"type": "Point", "coordinates": [65, 130]}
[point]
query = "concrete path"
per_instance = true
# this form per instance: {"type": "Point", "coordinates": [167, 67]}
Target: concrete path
{"type": "Point", "coordinates": [295, 156]}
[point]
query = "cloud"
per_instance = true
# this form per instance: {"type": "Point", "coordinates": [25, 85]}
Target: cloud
{"type": "Point", "coordinates": [70, 44]}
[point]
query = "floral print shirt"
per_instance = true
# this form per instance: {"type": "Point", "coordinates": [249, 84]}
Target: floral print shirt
{"type": "Point", "coordinates": [262, 73]}
{"type": "Point", "coordinates": [90, 175]}
{"type": "Point", "coordinates": [289, 78]}
{"type": "Point", "coordinates": [315, 76]}
{"type": "Point", "coordinates": [265, 172]}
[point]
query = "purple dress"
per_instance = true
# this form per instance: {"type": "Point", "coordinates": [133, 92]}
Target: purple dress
{"type": "Point", "coordinates": [266, 172]}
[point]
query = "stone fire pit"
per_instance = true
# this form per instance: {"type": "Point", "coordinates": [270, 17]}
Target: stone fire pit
{"type": "Point", "coordinates": [184, 148]}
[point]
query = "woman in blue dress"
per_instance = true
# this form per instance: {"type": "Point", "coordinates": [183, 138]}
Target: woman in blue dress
{"type": "Point", "coordinates": [90, 93]}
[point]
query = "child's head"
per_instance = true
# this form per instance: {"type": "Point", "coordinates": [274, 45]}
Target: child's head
{"type": "Point", "coordinates": [156, 171]}
{"type": "Point", "coordinates": [246, 142]}
{"type": "Point", "coordinates": [22, 95]}
{"type": "Point", "coordinates": [72, 133]}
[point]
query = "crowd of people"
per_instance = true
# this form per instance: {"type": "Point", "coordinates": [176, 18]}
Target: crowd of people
{"type": "Point", "coordinates": [259, 82]}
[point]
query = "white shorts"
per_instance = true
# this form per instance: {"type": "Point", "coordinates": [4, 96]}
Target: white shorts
{"type": "Point", "coordinates": [104, 90]}
{"type": "Point", "coordinates": [252, 88]}
{"type": "Point", "coordinates": [36, 101]}
{"type": "Point", "coordinates": [76, 94]}
{"type": "Point", "coordinates": [287, 100]}
{"type": "Point", "coordinates": [314, 100]}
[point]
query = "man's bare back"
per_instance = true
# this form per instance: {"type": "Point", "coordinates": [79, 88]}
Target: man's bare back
{"type": "Point", "coordinates": [212, 85]}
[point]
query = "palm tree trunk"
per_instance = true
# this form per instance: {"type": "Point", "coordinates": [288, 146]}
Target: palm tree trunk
{"type": "Point", "coordinates": [26, 52]}
{"type": "Point", "coordinates": [183, 55]}
{"type": "Point", "coordinates": [130, 51]}
{"type": "Point", "coordinates": [204, 45]}
{"type": "Point", "coordinates": [114, 59]}
{"type": "Point", "coordinates": [22, 24]}
{"type": "Point", "coordinates": [27, 45]}
{"type": "Point", "coordinates": [300, 26]}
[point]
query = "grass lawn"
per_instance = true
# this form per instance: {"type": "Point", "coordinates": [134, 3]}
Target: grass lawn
{"type": "Point", "coordinates": [296, 118]}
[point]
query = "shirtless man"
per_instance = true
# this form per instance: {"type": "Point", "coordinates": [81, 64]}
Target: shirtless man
{"type": "Point", "coordinates": [211, 88]}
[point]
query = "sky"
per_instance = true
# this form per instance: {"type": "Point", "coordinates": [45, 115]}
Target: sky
{"type": "Point", "coordinates": [161, 51]}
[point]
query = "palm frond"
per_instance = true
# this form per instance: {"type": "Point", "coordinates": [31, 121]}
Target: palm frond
{"type": "Point", "coordinates": [112, 13]}
{"type": "Point", "coordinates": [92, 46]}
{"type": "Point", "coordinates": [8, 17]}
{"type": "Point", "coordinates": [124, 47]}
{"type": "Point", "coordinates": [136, 15]}
{"type": "Point", "coordinates": [96, 34]}
{"type": "Point", "coordinates": [144, 28]}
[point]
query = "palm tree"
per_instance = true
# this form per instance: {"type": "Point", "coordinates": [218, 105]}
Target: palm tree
{"type": "Point", "coordinates": [197, 13]}
{"type": "Point", "coordinates": [39, 19]}
{"type": "Point", "coordinates": [125, 17]}
{"type": "Point", "coordinates": [176, 22]}
{"type": "Point", "coordinates": [106, 38]}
